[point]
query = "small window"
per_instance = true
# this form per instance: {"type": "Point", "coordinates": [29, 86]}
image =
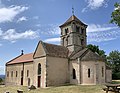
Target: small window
{"type": "Point", "coordinates": [82, 41]}
{"type": "Point", "coordinates": [77, 29]}
{"type": "Point", "coordinates": [11, 73]}
{"type": "Point", "coordinates": [82, 30]}
{"type": "Point", "coordinates": [16, 74]}
{"type": "Point", "coordinates": [66, 31]}
{"type": "Point", "coordinates": [89, 73]}
{"type": "Point", "coordinates": [74, 74]}
{"type": "Point", "coordinates": [22, 73]}
{"type": "Point", "coordinates": [27, 73]}
{"type": "Point", "coordinates": [7, 73]}
{"type": "Point", "coordinates": [102, 71]}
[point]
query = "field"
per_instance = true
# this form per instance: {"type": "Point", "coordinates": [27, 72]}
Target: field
{"type": "Point", "coordinates": [62, 89]}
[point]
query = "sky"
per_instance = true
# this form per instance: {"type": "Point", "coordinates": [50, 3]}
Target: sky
{"type": "Point", "coordinates": [24, 22]}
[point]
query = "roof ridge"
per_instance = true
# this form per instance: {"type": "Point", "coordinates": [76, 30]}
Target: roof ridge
{"type": "Point", "coordinates": [84, 53]}
{"type": "Point", "coordinates": [54, 44]}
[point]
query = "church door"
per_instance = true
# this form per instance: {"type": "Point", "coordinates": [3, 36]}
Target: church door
{"type": "Point", "coordinates": [22, 81]}
{"type": "Point", "coordinates": [39, 81]}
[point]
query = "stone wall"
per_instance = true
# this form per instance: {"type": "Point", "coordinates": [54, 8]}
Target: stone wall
{"type": "Point", "coordinates": [14, 71]}
{"type": "Point", "coordinates": [57, 71]}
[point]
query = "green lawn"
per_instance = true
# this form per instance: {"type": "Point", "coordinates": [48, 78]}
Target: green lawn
{"type": "Point", "coordinates": [61, 89]}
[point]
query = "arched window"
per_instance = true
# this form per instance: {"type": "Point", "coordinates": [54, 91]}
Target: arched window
{"type": "Point", "coordinates": [82, 30]}
{"type": "Point", "coordinates": [27, 73]}
{"type": "Point", "coordinates": [16, 74]}
{"type": "Point", "coordinates": [66, 31]}
{"type": "Point", "coordinates": [22, 73]}
{"type": "Point", "coordinates": [74, 74]}
{"type": "Point", "coordinates": [39, 69]}
{"type": "Point", "coordinates": [77, 29]}
{"type": "Point", "coordinates": [89, 73]}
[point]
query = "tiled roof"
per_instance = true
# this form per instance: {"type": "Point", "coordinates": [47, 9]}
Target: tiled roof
{"type": "Point", "coordinates": [21, 59]}
{"type": "Point", "coordinates": [55, 50]}
{"type": "Point", "coordinates": [87, 55]}
{"type": "Point", "coordinates": [78, 53]}
{"type": "Point", "coordinates": [72, 18]}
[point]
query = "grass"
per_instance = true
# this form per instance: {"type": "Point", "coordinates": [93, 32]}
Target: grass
{"type": "Point", "coordinates": [115, 81]}
{"type": "Point", "coordinates": [61, 89]}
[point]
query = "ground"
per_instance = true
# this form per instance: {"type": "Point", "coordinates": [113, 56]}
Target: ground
{"type": "Point", "coordinates": [61, 89]}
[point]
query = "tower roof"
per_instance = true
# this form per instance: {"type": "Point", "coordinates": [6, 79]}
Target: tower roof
{"type": "Point", "coordinates": [73, 18]}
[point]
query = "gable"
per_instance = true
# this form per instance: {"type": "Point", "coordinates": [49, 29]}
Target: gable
{"type": "Point", "coordinates": [40, 51]}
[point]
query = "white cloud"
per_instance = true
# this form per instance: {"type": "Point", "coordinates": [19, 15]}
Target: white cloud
{"type": "Point", "coordinates": [12, 35]}
{"type": "Point", "coordinates": [7, 14]}
{"type": "Point", "coordinates": [95, 4]}
{"type": "Point", "coordinates": [49, 29]}
{"type": "Point", "coordinates": [52, 40]}
{"type": "Point", "coordinates": [22, 19]}
{"type": "Point", "coordinates": [97, 27]}
{"type": "Point", "coordinates": [100, 33]}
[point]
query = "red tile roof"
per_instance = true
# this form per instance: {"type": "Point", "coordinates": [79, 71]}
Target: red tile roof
{"type": "Point", "coordinates": [21, 59]}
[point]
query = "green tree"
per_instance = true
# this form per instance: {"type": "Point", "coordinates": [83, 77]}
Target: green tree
{"type": "Point", "coordinates": [114, 61]}
{"type": "Point", "coordinates": [116, 15]}
{"type": "Point", "coordinates": [96, 49]}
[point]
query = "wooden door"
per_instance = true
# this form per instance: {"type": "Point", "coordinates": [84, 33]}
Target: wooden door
{"type": "Point", "coordinates": [39, 81]}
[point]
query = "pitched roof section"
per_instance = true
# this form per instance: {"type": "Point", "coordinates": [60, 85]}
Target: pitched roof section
{"type": "Point", "coordinates": [53, 50]}
{"type": "Point", "coordinates": [72, 18]}
{"type": "Point", "coordinates": [87, 55]}
{"type": "Point", "coordinates": [21, 59]}
{"type": "Point", "coordinates": [78, 53]}
{"type": "Point", "coordinates": [91, 56]}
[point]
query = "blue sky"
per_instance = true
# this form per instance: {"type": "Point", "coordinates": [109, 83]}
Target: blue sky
{"type": "Point", "coordinates": [24, 22]}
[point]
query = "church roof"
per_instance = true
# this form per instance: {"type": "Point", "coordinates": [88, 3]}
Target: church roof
{"type": "Point", "coordinates": [87, 55]}
{"type": "Point", "coordinates": [72, 18]}
{"type": "Point", "coordinates": [52, 50]}
{"type": "Point", "coordinates": [21, 59]}
{"type": "Point", "coordinates": [56, 50]}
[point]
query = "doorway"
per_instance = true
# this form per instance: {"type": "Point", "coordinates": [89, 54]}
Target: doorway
{"type": "Point", "coordinates": [22, 81]}
{"type": "Point", "coordinates": [39, 81]}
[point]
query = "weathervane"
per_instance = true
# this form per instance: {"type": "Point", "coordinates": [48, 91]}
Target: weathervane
{"type": "Point", "coordinates": [73, 10]}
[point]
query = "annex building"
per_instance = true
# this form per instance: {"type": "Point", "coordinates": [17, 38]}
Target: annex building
{"type": "Point", "coordinates": [55, 65]}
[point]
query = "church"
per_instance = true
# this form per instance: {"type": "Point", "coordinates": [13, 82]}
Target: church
{"type": "Point", "coordinates": [56, 65]}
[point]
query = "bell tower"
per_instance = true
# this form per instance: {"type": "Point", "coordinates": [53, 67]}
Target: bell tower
{"type": "Point", "coordinates": [73, 34]}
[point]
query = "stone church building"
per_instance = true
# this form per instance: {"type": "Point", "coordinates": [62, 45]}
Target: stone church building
{"type": "Point", "coordinates": [55, 65]}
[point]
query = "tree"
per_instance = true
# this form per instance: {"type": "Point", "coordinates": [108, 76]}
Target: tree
{"type": "Point", "coordinates": [116, 15]}
{"type": "Point", "coordinates": [114, 61]}
{"type": "Point", "coordinates": [96, 49]}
